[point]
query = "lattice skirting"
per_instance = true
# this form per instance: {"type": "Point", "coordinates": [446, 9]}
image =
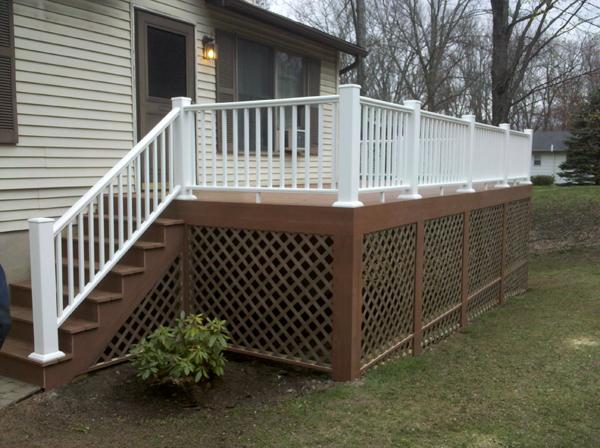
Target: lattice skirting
{"type": "Point", "coordinates": [160, 307]}
{"type": "Point", "coordinates": [388, 292]}
{"type": "Point", "coordinates": [273, 288]}
{"type": "Point", "coordinates": [388, 289]}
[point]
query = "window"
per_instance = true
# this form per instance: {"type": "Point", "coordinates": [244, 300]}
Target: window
{"type": "Point", "coordinates": [255, 71]}
{"type": "Point", "coordinates": [248, 70]}
{"type": "Point", "coordinates": [537, 160]}
{"type": "Point", "coordinates": [166, 64]}
{"type": "Point", "coordinates": [8, 104]}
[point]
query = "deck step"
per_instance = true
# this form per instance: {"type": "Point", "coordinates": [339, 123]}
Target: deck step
{"type": "Point", "coordinates": [144, 245]}
{"type": "Point", "coordinates": [97, 295]}
{"type": "Point", "coordinates": [72, 325]}
{"type": "Point", "coordinates": [119, 269]}
{"type": "Point", "coordinates": [20, 349]}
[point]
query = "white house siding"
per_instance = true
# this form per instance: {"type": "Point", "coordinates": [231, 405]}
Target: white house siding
{"type": "Point", "coordinates": [76, 95]}
{"type": "Point", "coordinates": [550, 164]}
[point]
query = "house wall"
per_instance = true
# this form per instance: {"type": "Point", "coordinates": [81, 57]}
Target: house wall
{"type": "Point", "coordinates": [76, 96]}
{"type": "Point", "coordinates": [551, 162]}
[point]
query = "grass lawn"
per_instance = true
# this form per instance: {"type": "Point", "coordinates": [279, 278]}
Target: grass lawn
{"type": "Point", "coordinates": [565, 217]}
{"type": "Point", "coordinates": [524, 375]}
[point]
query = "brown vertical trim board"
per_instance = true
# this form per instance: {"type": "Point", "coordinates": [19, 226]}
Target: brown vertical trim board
{"type": "Point", "coordinates": [347, 306]}
{"type": "Point", "coordinates": [418, 308]}
{"type": "Point", "coordinates": [503, 263]}
{"type": "Point", "coordinates": [465, 269]}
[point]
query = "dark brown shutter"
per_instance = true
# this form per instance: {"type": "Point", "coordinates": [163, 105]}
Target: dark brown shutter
{"type": "Point", "coordinates": [8, 103]}
{"type": "Point", "coordinates": [314, 89]}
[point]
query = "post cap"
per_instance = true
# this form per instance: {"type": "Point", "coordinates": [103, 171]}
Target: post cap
{"type": "Point", "coordinates": [504, 126]}
{"type": "Point", "coordinates": [40, 220]}
{"type": "Point", "coordinates": [528, 131]}
{"type": "Point", "coordinates": [468, 117]}
{"type": "Point", "coordinates": [415, 104]}
{"type": "Point", "coordinates": [180, 101]}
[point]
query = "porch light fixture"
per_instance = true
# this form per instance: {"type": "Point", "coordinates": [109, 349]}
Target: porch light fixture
{"type": "Point", "coordinates": [209, 48]}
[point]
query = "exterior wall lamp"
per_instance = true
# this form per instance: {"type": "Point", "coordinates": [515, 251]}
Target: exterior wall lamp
{"type": "Point", "coordinates": [209, 48]}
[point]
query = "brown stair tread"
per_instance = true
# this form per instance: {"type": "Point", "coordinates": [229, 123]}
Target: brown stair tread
{"type": "Point", "coordinates": [19, 349]}
{"type": "Point", "coordinates": [147, 245]}
{"type": "Point", "coordinates": [72, 325]}
{"type": "Point", "coordinates": [97, 295]}
{"type": "Point", "coordinates": [160, 221]}
{"type": "Point", "coordinates": [120, 269]}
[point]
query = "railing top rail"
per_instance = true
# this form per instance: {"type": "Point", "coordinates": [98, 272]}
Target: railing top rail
{"type": "Point", "coordinates": [91, 194]}
{"type": "Point", "coordinates": [426, 113]}
{"type": "Point", "coordinates": [518, 133]}
{"type": "Point", "coordinates": [379, 103]}
{"type": "Point", "coordinates": [489, 127]}
{"type": "Point", "coordinates": [299, 101]}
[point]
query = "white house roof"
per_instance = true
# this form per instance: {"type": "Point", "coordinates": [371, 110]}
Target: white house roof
{"type": "Point", "coordinates": [544, 141]}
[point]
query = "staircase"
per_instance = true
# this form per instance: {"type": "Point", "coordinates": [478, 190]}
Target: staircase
{"type": "Point", "coordinates": [86, 333]}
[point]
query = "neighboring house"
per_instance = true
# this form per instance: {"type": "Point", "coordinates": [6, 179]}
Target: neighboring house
{"type": "Point", "coordinates": [74, 102]}
{"type": "Point", "coordinates": [549, 152]}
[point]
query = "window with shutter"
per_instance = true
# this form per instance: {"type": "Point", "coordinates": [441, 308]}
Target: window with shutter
{"type": "Point", "coordinates": [8, 107]}
{"type": "Point", "coordinates": [249, 70]}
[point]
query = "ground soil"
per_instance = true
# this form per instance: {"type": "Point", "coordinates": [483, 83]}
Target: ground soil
{"type": "Point", "coordinates": [102, 403]}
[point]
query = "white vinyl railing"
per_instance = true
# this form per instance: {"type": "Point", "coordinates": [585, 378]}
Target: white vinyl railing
{"type": "Point", "coordinates": [70, 256]}
{"type": "Point", "coordinates": [344, 145]}
{"type": "Point", "coordinates": [267, 145]}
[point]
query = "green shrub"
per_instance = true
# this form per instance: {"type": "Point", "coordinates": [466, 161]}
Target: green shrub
{"type": "Point", "coordinates": [185, 354]}
{"type": "Point", "coordinates": [542, 180]}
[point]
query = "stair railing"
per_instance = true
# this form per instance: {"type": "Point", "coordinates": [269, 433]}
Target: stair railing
{"type": "Point", "coordinates": [107, 221]}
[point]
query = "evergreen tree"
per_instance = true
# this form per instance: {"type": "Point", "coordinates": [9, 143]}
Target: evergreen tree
{"type": "Point", "coordinates": [583, 156]}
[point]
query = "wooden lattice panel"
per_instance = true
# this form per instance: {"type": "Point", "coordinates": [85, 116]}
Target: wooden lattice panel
{"type": "Point", "coordinates": [388, 289]}
{"type": "Point", "coordinates": [274, 289]}
{"type": "Point", "coordinates": [516, 281]}
{"type": "Point", "coordinates": [517, 232]}
{"type": "Point", "coordinates": [485, 247]}
{"type": "Point", "coordinates": [442, 265]}
{"type": "Point", "coordinates": [441, 328]}
{"type": "Point", "coordinates": [160, 307]}
{"type": "Point", "coordinates": [483, 301]}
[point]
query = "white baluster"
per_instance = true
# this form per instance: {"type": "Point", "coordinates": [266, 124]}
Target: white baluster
{"type": "Point", "coordinates": [270, 147]}
{"type": "Point", "coordinates": [294, 146]}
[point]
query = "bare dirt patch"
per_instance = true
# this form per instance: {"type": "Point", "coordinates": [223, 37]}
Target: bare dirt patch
{"type": "Point", "coordinates": [112, 406]}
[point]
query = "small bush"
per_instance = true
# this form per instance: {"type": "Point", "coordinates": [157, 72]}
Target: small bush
{"type": "Point", "coordinates": [183, 355]}
{"type": "Point", "coordinates": [542, 180]}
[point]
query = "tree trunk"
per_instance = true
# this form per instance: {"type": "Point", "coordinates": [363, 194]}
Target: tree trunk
{"type": "Point", "coordinates": [361, 36]}
{"type": "Point", "coordinates": [501, 91]}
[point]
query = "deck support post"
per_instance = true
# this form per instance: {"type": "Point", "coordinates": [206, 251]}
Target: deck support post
{"type": "Point", "coordinates": [418, 304]}
{"type": "Point", "coordinates": [529, 133]}
{"type": "Point", "coordinates": [347, 306]}
{"type": "Point", "coordinates": [413, 146]}
{"type": "Point", "coordinates": [349, 146]}
{"type": "Point", "coordinates": [43, 290]}
{"type": "Point", "coordinates": [184, 145]}
{"type": "Point", "coordinates": [464, 309]}
{"type": "Point", "coordinates": [505, 145]}
{"type": "Point", "coordinates": [468, 161]}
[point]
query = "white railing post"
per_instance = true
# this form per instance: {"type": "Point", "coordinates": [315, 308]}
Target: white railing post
{"type": "Point", "coordinates": [349, 146]}
{"type": "Point", "coordinates": [468, 154]}
{"type": "Point", "coordinates": [43, 290]}
{"type": "Point", "coordinates": [529, 133]}
{"type": "Point", "coordinates": [413, 146]}
{"type": "Point", "coordinates": [184, 147]}
{"type": "Point", "coordinates": [505, 148]}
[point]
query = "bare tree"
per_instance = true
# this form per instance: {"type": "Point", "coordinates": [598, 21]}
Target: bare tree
{"type": "Point", "coordinates": [518, 37]}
